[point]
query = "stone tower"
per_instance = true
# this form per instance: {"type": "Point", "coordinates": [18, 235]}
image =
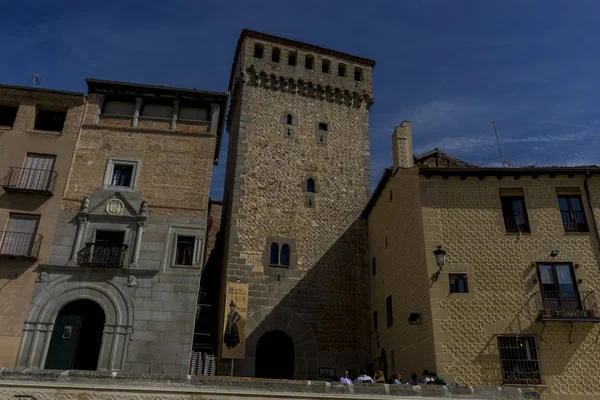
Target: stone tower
{"type": "Point", "coordinates": [297, 180]}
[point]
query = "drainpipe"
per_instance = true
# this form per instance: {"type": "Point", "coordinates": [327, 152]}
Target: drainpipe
{"type": "Point", "coordinates": [589, 200]}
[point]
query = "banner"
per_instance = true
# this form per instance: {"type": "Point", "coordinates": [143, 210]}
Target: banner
{"type": "Point", "coordinates": [236, 314]}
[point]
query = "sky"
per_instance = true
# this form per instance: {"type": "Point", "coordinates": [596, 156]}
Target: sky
{"type": "Point", "coordinates": [449, 66]}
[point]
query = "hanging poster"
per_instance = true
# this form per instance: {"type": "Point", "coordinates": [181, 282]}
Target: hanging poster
{"type": "Point", "coordinates": [236, 313]}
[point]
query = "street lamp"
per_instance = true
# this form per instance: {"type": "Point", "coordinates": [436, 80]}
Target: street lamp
{"type": "Point", "coordinates": [440, 258]}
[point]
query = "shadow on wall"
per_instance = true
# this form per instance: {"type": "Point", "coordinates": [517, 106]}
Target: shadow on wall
{"type": "Point", "coordinates": [325, 312]}
{"type": "Point", "coordinates": [21, 201]}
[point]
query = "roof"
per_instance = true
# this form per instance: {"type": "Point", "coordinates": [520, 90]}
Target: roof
{"type": "Point", "coordinates": [436, 155]}
{"type": "Point", "coordinates": [43, 90]}
{"type": "Point", "coordinates": [247, 33]}
{"type": "Point", "coordinates": [385, 177]}
{"type": "Point", "coordinates": [500, 172]}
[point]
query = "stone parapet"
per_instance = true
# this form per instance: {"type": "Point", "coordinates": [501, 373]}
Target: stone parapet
{"type": "Point", "coordinates": [54, 384]}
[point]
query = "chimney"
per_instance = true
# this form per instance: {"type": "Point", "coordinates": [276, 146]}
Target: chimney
{"type": "Point", "coordinates": [402, 146]}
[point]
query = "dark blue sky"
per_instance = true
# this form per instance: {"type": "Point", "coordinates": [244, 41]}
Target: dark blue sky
{"type": "Point", "coordinates": [448, 66]}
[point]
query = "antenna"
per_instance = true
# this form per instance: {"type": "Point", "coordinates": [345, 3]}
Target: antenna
{"type": "Point", "coordinates": [504, 162]}
{"type": "Point", "coordinates": [36, 80]}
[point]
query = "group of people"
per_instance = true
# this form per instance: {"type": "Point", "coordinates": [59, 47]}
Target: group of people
{"type": "Point", "coordinates": [428, 378]}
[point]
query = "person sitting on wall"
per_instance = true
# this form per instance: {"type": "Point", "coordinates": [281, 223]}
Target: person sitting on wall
{"type": "Point", "coordinates": [363, 377]}
{"type": "Point", "coordinates": [437, 380]}
{"type": "Point", "coordinates": [396, 379]}
{"type": "Point", "coordinates": [346, 378]}
{"type": "Point", "coordinates": [426, 377]}
{"type": "Point", "coordinates": [414, 380]}
{"type": "Point", "coordinates": [379, 377]}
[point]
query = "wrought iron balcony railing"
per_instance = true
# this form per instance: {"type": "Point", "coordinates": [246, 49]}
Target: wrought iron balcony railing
{"type": "Point", "coordinates": [102, 255]}
{"type": "Point", "coordinates": [568, 306]}
{"type": "Point", "coordinates": [30, 180]}
{"type": "Point", "coordinates": [516, 222]}
{"type": "Point", "coordinates": [20, 245]}
{"type": "Point", "coordinates": [574, 221]}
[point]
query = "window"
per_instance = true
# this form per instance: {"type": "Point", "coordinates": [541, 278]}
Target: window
{"type": "Point", "coordinates": [386, 242]}
{"type": "Point", "coordinates": [310, 185]}
{"type": "Point", "coordinates": [258, 50]}
{"type": "Point", "coordinates": [8, 114]}
{"type": "Point", "coordinates": [323, 126]}
{"type": "Point", "coordinates": [20, 237]}
{"type": "Point", "coordinates": [325, 66]}
{"type": "Point", "coordinates": [458, 283]}
{"type": "Point", "coordinates": [391, 195]}
{"type": "Point", "coordinates": [121, 173]}
{"type": "Point", "coordinates": [107, 250]}
{"type": "Point", "coordinates": [374, 266]}
{"type": "Point", "coordinates": [193, 114]}
{"type": "Point", "coordinates": [48, 120]}
{"type": "Point", "coordinates": [358, 74]}
{"type": "Point", "coordinates": [37, 173]}
{"type": "Point", "coordinates": [571, 211]}
{"type": "Point", "coordinates": [184, 250]}
{"type": "Point", "coordinates": [558, 289]}
{"type": "Point", "coordinates": [109, 238]}
{"type": "Point", "coordinates": [118, 107]}
{"type": "Point", "coordinates": [342, 70]}
{"type": "Point", "coordinates": [515, 214]}
{"type": "Point", "coordinates": [519, 360]}
{"type": "Point", "coordinates": [274, 258]}
{"type": "Point", "coordinates": [275, 55]}
{"type": "Point", "coordinates": [284, 255]}
{"type": "Point", "coordinates": [292, 58]}
{"type": "Point", "coordinates": [388, 311]}
{"type": "Point", "coordinates": [164, 111]}
{"type": "Point", "coordinates": [414, 318]}
{"type": "Point", "coordinates": [309, 61]}
{"type": "Point", "coordinates": [289, 119]}
{"type": "Point", "coordinates": [375, 321]}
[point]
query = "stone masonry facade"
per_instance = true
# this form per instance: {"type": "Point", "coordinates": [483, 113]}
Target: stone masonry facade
{"type": "Point", "coordinates": [288, 124]}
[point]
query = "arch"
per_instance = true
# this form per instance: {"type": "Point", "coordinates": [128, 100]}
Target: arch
{"type": "Point", "coordinates": [275, 356]}
{"type": "Point", "coordinates": [292, 324]}
{"type": "Point", "coordinates": [342, 69]}
{"type": "Point", "coordinates": [274, 254]}
{"type": "Point", "coordinates": [310, 185]}
{"type": "Point", "coordinates": [77, 337]}
{"type": "Point", "coordinates": [284, 255]}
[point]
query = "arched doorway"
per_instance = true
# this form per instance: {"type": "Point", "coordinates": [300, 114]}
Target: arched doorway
{"type": "Point", "coordinates": [76, 337]}
{"type": "Point", "coordinates": [275, 356]}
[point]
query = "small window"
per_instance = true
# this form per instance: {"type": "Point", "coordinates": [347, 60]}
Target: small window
{"type": "Point", "coordinates": [274, 257]}
{"type": "Point", "coordinates": [309, 61]}
{"type": "Point", "coordinates": [325, 66]}
{"type": "Point", "coordinates": [388, 311]}
{"type": "Point", "coordinates": [519, 360]}
{"type": "Point", "coordinates": [258, 50]}
{"type": "Point", "coordinates": [414, 318]}
{"type": "Point", "coordinates": [515, 214]}
{"type": "Point", "coordinates": [358, 74]}
{"type": "Point", "coordinates": [374, 266]}
{"type": "Point", "coordinates": [275, 55]}
{"type": "Point", "coordinates": [164, 111]}
{"type": "Point", "coordinates": [375, 321]}
{"type": "Point", "coordinates": [391, 195]}
{"type": "Point", "coordinates": [284, 255]}
{"type": "Point", "coordinates": [342, 70]}
{"type": "Point", "coordinates": [323, 126]}
{"type": "Point", "coordinates": [48, 120]}
{"type": "Point", "coordinates": [386, 242]}
{"type": "Point", "coordinates": [20, 236]}
{"type": "Point", "coordinates": [310, 185]}
{"type": "Point", "coordinates": [289, 119]}
{"type": "Point", "coordinates": [571, 211]}
{"type": "Point", "coordinates": [8, 114]}
{"type": "Point", "coordinates": [458, 283]}
{"type": "Point", "coordinates": [184, 251]}
{"type": "Point", "coordinates": [118, 107]}
{"type": "Point", "coordinates": [122, 175]}
{"type": "Point", "coordinates": [292, 57]}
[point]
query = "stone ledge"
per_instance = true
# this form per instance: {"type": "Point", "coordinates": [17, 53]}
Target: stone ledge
{"type": "Point", "coordinates": [122, 381]}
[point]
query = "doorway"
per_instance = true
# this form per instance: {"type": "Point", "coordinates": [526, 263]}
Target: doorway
{"type": "Point", "coordinates": [76, 337]}
{"type": "Point", "coordinates": [275, 356]}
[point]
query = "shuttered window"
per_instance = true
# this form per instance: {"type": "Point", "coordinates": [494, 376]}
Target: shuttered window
{"type": "Point", "coordinates": [20, 235]}
{"type": "Point", "coordinates": [37, 172]}
{"type": "Point", "coordinates": [193, 114]}
{"type": "Point", "coordinates": [124, 108]}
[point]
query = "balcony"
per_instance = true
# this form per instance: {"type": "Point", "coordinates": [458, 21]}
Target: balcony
{"type": "Point", "coordinates": [30, 180]}
{"type": "Point", "coordinates": [102, 255]}
{"type": "Point", "coordinates": [19, 245]}
{"type": "Point", "coordinates": [516, 222]}
{"type": "Point", "coordinates": [568, 306]}
{"type": "Point", "coordinates": [574, 221]}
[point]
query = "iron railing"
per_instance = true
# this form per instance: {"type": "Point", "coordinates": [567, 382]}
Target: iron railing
{"type": "Point", "coordinates": [519, 360]}
{"type": "Point", "coordinates": [20, 245]}
{"type": "Point", "coordinates": [102, 255]}
{"type": "Point", "coordinates": [574, 221]}
{"type": "Point", "coordinates": [516, 222]}
{"type": "Point", "coordinates": [30, 180]}
{"type": "Point", "coordinates": [568, 306]}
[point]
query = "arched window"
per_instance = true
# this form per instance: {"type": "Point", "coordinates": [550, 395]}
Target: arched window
{"type": "Point", "coordinates": [358, 75]}
{"type": "Point", "coordinates": [289, 119]}
{"type": "Point", "coordinates": [308, 62]}
{"type": "Point", "coordinates": [274, 259]}
{"type": "Point", "coordinates": [284, 257]}
{"type": "Point", "coordinates": [310, 185]}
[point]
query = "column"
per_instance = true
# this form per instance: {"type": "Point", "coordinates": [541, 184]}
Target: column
{"type": "Point", "coordinates": [175, 114]}
{"type": "Point", "coordinates": [136, 113]}
{"type": "Point", "coordinates": [100, 106]}
{"type": "Point", "coordinates": [78, 236]}
{"type": "Point", "coordinates": [137, 244]}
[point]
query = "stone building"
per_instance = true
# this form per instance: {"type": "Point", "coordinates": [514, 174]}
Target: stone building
{"type": "Point", "coordinates": [38, 131]}
{"type": "Point", "coordinates": [297, 180]}
{"type": "Point", "coordinates": [487, 275]}
{"type": "Point", "coordinates": [120, 287]}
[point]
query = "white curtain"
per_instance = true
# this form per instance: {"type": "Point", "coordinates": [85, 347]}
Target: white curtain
{"type": "Point", "coordinates": [20, 234]}
{"type": "Point", "coordinates": [37, 172]}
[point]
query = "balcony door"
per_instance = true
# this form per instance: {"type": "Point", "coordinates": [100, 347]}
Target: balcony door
{"type": "Point", "coordinates": [20, 235]}
{"type": "Point", "coordinates": [558, 288]}
{"type": "Point", "coordinates": [37, 173]}
{"type": "Point", "coordinates": [108, 248]}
